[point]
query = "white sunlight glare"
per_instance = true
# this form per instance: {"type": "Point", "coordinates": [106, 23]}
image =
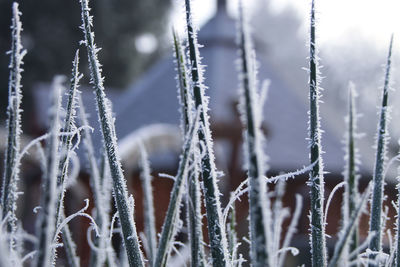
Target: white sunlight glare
{"type": "Point", "coordinates": [374, 19]}
{"type": "Point", "coordinates": [338, 19]}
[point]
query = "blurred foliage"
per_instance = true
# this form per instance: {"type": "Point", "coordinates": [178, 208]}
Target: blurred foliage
{"type": "Point", "coordinates": [51, 35]}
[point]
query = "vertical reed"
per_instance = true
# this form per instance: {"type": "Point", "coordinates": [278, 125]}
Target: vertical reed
{"type": "Point", "coordinates": [375, 225]}
{"type": "Point", "coordinates": [170, 222]}
{"type": "Point", "coordinates": [9, 194]}
{"type": "Point", "coordinates": [120, 191]}
{"type": "Point", "coordinates": [194, 194]}
{"type": "Point", "coordinates": [47, 220]}
{"type": "Point", "coordinates": [318, 244]}
{"type": "Point", "coordinates": [351, 194]}
{"type": "Point", "coordinates": [251, 119]}
{"type": "Point", "coordinates": [149, 219]}
{"type": "Point", "coordinates": [216, 228]}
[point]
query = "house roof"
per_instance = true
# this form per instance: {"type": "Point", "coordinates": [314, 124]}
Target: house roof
{"type": "Point", "coordinates": [153, 99]}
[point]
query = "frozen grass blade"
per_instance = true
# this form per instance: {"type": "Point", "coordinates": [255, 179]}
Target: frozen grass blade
{"type": "Point", "coordinates": [170, 221]}
{"type": "Point", "coordinates": [378, 182]}
{"type": "Point", "coordinates": [216, 228]}
{"type": "Point", "coordinates": [318, 244]}
{"type": "Point", "coordinates": [184, 96]}
{"type": "Point", "coordinates": [195, 216]}
{"type": "Point", "coordinates": [66, 140]}
{"type": "Point", "coordinates": [119, 184]}
{"type": "Point", "coordinates": [149, 219]}
{"type": "Point", "coordinates": [99, 196]}
{"type": "Point", "coordinates": [291, 229]}
{"type": "Point", "coordinates": [47, 219]}
{"type": "Point", "coordinates": [69, 246]}
{"type": "Point", "coordinates": [65, 150]}
{"type": "Point", "coordinates": [279, 214]}
{"type": "Point", "coordinates": [9, 194]}
{"type": "Point", "coordinates": [64, 154]}
{"type": "Point", "coordinates": [232, 235]}
{"type": "Point", "coordinates": [251, 120]}
{"type": "Point", "coordinates": [351, 194]}
{"type": "Point", "coordinates": [194, 194]}
{"type": "Point", "coordinates": [397, 240]}
{"type": "Point", "coordinates": [346, 234]}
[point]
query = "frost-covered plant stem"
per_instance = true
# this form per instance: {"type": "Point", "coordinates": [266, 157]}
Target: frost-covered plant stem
{"type": "Point", "coordinates": [69, 246]}
{"type": "Point", "coordinates": [348, 229]}
{"type": "Point", "coordinates": [120, 191]}
{"type": "Point", "coordinates": [194, 194]}
{"type": "Point", "coordinates": [170, 221]}
{"type": "Point", "coordinates": [66, 140]}
{"type": "Point", "coordinates": [216, 228]}
{"type": "Point", "coordinates": [397, 240]}
{"type": "Point", "coordinates": [318, 244]}
{"type": "Point", "coordinates": [195, 217]}
{"type": "Point", "coordinates": [65, 150]}
{"type": "Point", "coordinates": [148, 203]}
{"type": "Point", "coordinates": [257, 190]}
{"type": "Point", "coordinates": [47, 219]}
{"type": "Point", "coordinates": [9, 194]}
{"type": "Point", "coordinates": [183, 87]}
{"type": "Point", "coordinates": [377, 194]}
{"type": "Point", "coordinates": [99, 195]}
{"type": "Point", "coordinates": [232, 235]}
{"type": "Point", "coordinates": [351, 194]}
{"type": "Point", "coordinates": [291, 229]}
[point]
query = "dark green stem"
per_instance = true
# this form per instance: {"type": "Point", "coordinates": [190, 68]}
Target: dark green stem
{"type": "Point", "coordinates": [119, 183]}
{"type": "Point", "coordinates": [65, 149]}
{"type": "Point", "coordinates": [348, 229]}
{"type": "Point", "coordinates": [9, 192]}
{"type": "Point", "coordinates": [169, 226]}
{"type": "Point", "coordinates": [193, 200]}
{"type": "Point", "coordinates": [100, 197]}
{"type": "Point", "coordinates": [257, 189]}
{"type": "Point", "coordinates": [47, 219]}
{"type": "Point", "coordinates": [216, 229]}
{"type": "Point", "coordinates": [148, 203]}
{"type": "Point", "coordinates": [375, 244]}
{"type": "Point", "coordinates": [351, 193]}
{"type": "Point", "coordinates": [318, 245]}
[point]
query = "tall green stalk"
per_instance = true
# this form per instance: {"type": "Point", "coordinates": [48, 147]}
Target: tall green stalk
{"type": "Point", "coordinates": [184, 95]}
{"type": "Point", "coordinates": [120, 190]}
{"type": "Point", "coordinates": [351, 194]}
{"type": "Point", "coordinates": [148, 204]}
{"type": "Point", "coordinates": [375, 224]}
{"type": "Point", "coordinates": [346, 235]}
{"type": "Point", "coordinates": [99, 196]}
{"type": "Point", "coordinates": [232, 234]}
{"type": "Point", "coordinates": [257, 189]}
{"type": "Point", "coordinates": [65, 150]}
{"type": "Point", "coordinates": [397, 240]}
{"type": "Point", "coordinates": [318, 244]}
{"type": "Point", "coordinates": [216, 228]}
{"type": "Point", "coordinates": [9, 195]}
{"type": "Point", "coordinates": [66, 140]}
{"type": "Point", "coordinates": [47, 220]}
{"type": "Point", "coordinates": [194, 217]}
{"type": "Point", "coordinates": [170, 221]}
{"type": "Point", "coordinates": [194, 194]}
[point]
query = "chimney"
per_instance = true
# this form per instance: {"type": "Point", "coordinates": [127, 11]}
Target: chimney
{"type": "Point", "coordinates": [221, 5]}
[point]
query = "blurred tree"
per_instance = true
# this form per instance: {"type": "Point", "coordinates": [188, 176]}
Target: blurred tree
{"type": "Point", "coordinates": [51, 35]}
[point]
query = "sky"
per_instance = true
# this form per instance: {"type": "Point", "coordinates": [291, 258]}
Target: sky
{"type": "Point", "coordinates": [338, 19]}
